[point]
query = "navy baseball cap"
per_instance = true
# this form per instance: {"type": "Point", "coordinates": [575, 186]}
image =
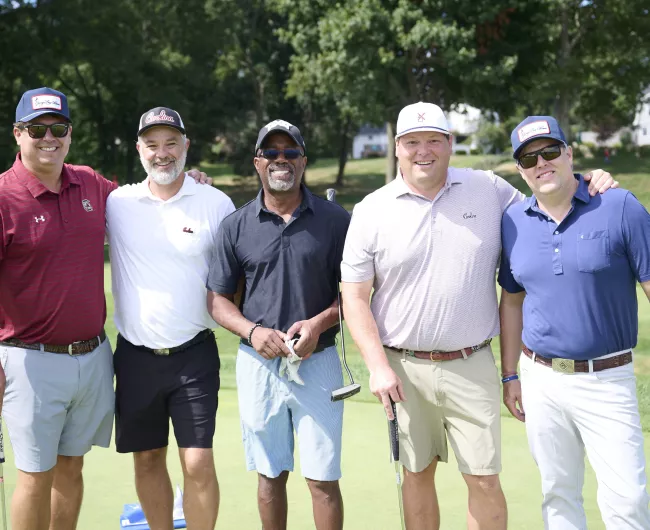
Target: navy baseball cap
{"type": "Point", "coordinates": [280, 126]}
{"type": "Point", "coordinates": [533, 128]}
{"type": "Point", "coordinates": [161, 116]}
{"type": "Point", "coordinates": [35, 103]}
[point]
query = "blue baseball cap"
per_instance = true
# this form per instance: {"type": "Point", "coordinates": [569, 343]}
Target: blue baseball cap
{"type": "Point", "coordinates": [533, 128]}
{"type": "Point", "coordinates": [39, 101]}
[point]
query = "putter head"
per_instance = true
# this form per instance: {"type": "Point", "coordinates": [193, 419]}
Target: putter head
{"type": "Point", "coordinates": [346, 392]}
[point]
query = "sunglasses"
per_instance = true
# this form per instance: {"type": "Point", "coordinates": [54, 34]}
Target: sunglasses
{"type": "Point", "coordinates": [550, 152]}
{"type": "Point", "coordinates": [289, 154]}
{"type": "Point", "coordinates": [39, 130]}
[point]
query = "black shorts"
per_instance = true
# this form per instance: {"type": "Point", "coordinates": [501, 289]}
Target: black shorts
{"type": "Point", "coordinates": [151, 389]}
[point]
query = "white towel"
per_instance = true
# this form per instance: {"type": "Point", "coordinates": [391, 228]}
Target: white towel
{"type": "Point", "coordinates": [291, 363]}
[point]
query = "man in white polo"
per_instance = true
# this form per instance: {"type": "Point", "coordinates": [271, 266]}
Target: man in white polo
{"type": "Point", "coordinates": [428, 243]}
{"type": "Point", "coordinates": [161, 234]}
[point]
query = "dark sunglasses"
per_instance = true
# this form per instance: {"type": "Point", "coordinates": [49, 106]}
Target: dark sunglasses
{"type": "Point", "coordinates": [273, 154]}
{"type": "Point", "coordinates": [39, 130]}
{"type": "Point", "coordinates": [550, 152]}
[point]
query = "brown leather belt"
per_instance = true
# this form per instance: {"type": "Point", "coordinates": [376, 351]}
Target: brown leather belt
{"type": "Point", "coordinates": [76, 348]}
{"type": "Point", "coordinates": [569, 366]}
{"type": "Point", "coordinates": [437, 356]}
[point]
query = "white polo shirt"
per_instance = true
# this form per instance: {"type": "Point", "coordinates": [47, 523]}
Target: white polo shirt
{"type": "Point", "coordinates": [160, 255]}
{"type": "Point", "coordinates": [433, 261]}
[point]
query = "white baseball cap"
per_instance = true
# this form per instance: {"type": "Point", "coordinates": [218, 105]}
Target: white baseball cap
{"type": "Point", "coordinates": [421, 116]}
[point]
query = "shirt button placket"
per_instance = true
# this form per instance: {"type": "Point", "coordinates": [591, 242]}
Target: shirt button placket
{"type": "Point", "coordinates": [557, 253]}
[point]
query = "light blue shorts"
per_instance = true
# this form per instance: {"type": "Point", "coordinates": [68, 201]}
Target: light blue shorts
{"type": "Point", "coordinates": [271, 408]}
{"type": "Point", "coordinates": [57, 404]}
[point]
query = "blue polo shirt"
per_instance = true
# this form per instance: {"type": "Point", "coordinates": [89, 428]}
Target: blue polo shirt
{"type": "Point", "coordinates": [579, 276]}
{"type": "Point", "coordinates": [291, 269]}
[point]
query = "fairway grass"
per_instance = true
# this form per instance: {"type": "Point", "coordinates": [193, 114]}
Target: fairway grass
{"type": "Point", "coordinates": [368, 483]}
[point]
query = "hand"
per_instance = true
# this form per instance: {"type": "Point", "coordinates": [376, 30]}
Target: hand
{"type": "Point", "coordinates": [308, 338]}
{"type": "Point", "coordinates": [600, 181]}
{"type": "Point", "coordinates": [200, 177]}
{"type": "Point", "coordinates": [385, 385]}
{"type": "Point", "coordinates": [512, 398]}
{"type": "Point", "coordinates": [269, 343]}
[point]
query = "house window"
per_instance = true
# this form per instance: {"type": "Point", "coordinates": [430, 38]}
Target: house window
{"type": "Point", "coordinates": [645, 131]}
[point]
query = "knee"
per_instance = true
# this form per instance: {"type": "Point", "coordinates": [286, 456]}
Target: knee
{"type": "Point", "coordinates": [270, 489]}
{"type": "Point", "coordinates": [198, 465]}
{"type": "Point", "coordinates": [487, 485]}
{"type": "Point", "coordinates": [149, 461]}
{"type": "Point", "coordinates": [69, 466]}
{"type": "Point", "coordinates": [324, 490]}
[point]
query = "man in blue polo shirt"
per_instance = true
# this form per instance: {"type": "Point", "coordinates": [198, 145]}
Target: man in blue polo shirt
{"type": "Point", "coordinates": [572, 261]}
{"type": "Point", "coordinates": [286, 245]}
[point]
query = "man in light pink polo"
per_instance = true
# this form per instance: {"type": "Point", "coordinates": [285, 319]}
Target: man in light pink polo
{"type": "Point", "coordinates": [428, 243]}
{"type": "Point", "coordinates": [59, 396]}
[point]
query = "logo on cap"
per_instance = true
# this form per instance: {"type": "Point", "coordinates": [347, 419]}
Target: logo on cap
{"type": "Point", "coordinates": [278, 123]}
{"type": "Point", "coordinates": [46, 102]}
{"type": "Point", "coordinates": [420, 117]}
{"type": "Point", "coordinates": [533, 129]}
{"type": "Point", "coordinates": [151, 117]}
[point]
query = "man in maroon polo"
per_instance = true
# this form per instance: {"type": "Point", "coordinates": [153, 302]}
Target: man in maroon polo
{"type": "Point", "coordinates": [59, 396]}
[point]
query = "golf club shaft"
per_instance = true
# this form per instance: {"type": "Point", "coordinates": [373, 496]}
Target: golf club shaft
{"type": "Point", "coordinates": [331, 196]}
{"type": "Point", "coordinates": [2, 478]}
{"type": "Point", "coordinates": [393, 431]}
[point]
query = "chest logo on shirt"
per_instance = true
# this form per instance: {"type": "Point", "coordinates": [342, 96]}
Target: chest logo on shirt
{"type": "Point", "coordinates": [469, 215]}
{"type": "Point", "coordinates": [87, 206]}
{"type": "Point", "coordinates": [40, 219]}
{"type": "Point", "coordinates": [188, 230]}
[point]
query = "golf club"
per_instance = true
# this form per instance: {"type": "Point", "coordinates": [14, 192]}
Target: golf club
{"type": "Point", "coordinates": [2, 479]}
{"type": "Point", "coordinates": [353, 388]}
{"type": "Point", "coordinates": [393, 434]}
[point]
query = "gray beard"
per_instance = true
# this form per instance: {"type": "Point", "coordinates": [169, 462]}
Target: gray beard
{"type": "Point", "coordinates": [164, 177]}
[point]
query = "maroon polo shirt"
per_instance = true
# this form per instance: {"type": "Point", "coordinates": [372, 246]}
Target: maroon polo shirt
{"type": "Point", "coordinates": [52, 255]}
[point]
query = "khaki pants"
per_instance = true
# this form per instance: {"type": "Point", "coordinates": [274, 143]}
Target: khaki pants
{"type": "Point", "coordinates": [459, 400]}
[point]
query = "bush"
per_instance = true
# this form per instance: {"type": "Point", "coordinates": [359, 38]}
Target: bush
{"type": "Point", "coordinates": [476, 151]}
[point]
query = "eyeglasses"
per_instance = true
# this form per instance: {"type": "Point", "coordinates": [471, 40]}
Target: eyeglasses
{"type": "Point", "coordinates": [289, 154]}
{"type": "Point", "coordinates": [550, 152]}
{"type": "Point", "coordinates": [39, 130]}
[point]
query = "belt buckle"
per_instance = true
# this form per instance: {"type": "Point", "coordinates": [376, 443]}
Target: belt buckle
{"type": "Point", "coordinates": [563, 366]}
{"type": "Point", "coordinates": [431, 356]}
{"type": "Point", "coordinates": [70, 346]}
{"type": "Point", "coordinates": [161, 351]}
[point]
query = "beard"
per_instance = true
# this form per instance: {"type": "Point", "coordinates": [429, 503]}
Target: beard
{"type": "Point", "coordinates": [167, 175]}
{"type": "Point", "coordinates": [281, 184]}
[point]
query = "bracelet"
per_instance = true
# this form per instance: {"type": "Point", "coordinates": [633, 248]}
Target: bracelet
{"type": "Point", "coordinates": [508, 378]}
{"type": "Point", "coordinates": [250, 333]}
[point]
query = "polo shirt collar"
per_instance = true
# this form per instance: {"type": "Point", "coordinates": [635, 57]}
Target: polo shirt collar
{"type": "Point", "coordinates": [35, 186]}
{"type": "Point", "coordinates": [401, 188]}
{"type": "Point", "coordinates": [189, 187]}
{"type": "Point", "coordinates": [582, 194]}
{"type": "Point", "coordinates": [307, 201]}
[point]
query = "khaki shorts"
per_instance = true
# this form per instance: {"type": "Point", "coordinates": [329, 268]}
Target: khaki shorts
{"type": "Point", "coordinates": [459, 399]}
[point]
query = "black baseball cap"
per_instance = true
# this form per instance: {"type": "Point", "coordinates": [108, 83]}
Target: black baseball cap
{"type": "Point", "coordinates": [161, 116]}
{"type": "Point", "coordinates": [280, 126]}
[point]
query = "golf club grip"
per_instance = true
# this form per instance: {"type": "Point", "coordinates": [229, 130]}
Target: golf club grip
{"type": "Point", "coordinates": [2, 444]}
{"type": "Point", "coordinates": [394, 435]}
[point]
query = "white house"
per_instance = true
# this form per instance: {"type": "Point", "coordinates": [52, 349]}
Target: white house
{"type": "Point", "coordinates": [641, 131]}
{"type": "Point", "coordinates": [372, 141]}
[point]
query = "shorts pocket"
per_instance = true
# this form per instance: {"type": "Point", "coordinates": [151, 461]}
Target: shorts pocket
{"type": "Point", "coordinates": [593, 251]}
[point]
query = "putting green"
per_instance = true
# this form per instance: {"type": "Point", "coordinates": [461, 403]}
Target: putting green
{"type": "Point", "coordinates": [368, 483]}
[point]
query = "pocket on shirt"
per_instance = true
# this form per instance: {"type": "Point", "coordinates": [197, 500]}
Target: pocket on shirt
{"type": "Point", "coordinates": [593, 251]}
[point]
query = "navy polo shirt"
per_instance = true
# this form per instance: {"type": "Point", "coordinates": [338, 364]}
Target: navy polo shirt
{"type": "Point", "coordinates": [579, 276]}
{"type": "Point", "coordinates": [291, 269]}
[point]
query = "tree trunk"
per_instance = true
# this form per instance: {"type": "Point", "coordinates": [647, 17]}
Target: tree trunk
{"type": "Point", "coordinates": [343, 151]}
{"type": "Point", "coordinates": [563, 96]}
{"type": "Point", "coordinates": [391, 161]}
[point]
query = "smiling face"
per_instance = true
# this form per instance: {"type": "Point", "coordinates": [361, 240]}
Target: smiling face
{"type": "Point", "coordinates": [43, 155]}
{"type": "Point", "coordinates": [280, 175]}
{"type": "Point", "coordinates": [163, 151]}
{"type": "Point", "coordinates": [424, 158]}
{"type": "Point", "coordinates": [549, 177]}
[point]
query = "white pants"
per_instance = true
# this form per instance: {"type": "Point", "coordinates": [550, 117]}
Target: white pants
{"type": "Point", "coordinates": [567, 414]}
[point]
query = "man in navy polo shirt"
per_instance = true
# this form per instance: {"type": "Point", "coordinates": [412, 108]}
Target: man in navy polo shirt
{"type": "Point", "coordinates": [287, 246]}
{"type": "Point", "coordinates": [572, 261]}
